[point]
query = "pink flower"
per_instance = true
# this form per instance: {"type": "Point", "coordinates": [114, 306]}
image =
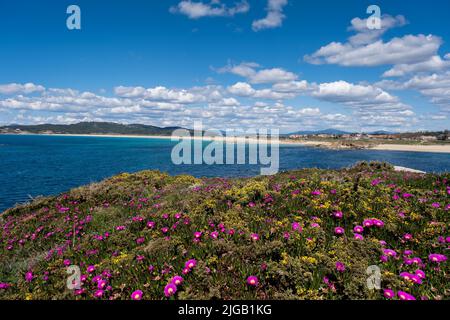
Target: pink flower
{"type": "Point", "coordinates": [91, 269]}
{"type": "Point", "coordinates": [388, 293]}
{"type": "Point", "coordinates": [296, 226]}
{"type": "Point", "coordinates": [435, 257]}
{"type": "Point", "coordinates": [357, 236]}
{"type": "Point", "coordinates": [407, 236]}
{"type": "Point", "coordinates": [137, 295]}
{"type": "Point", "coordinates": [98, 293]}
{"type": "Point", "coordinates": [190, 263]}
{"type": "Point", "coordinates": [405, 296]}
{"type": "Point", "coordinates": [214, 234]}
{"type": "Point", "coordinates": [338, 214]}
{"type": "Point", "coordinates": [101, 284]}
{"type": "Point", "coordinates": [368, 223]}
{"type": "Point", "coordinates": [252, 281]}
{"type": "Point", "coordinates": [29, 276]}
{"type": "Point", "coordinates": [340, 266]}
{"type": "Point", "coordinates": [66, 262]}
{"type": "Point", "coordinates": [140, 240]}
{"type": "Point", "coordinates": [254, 236]}
{"type": "Point", "coordinates": [176, 280]}
{"type": "Point", "coordinates": [197, 235]}
{"type": "Point", "coordinates": [358, 229]}
{"type": "Point", "coordinates": [339, 230]}
{"type": "Point", "coordinates": [170, 290]}
{"type": "Point", "coordinates": [150, 224]}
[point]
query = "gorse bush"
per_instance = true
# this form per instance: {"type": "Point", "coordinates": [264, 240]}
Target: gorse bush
{"type": "Point", "coordinates": [308, 234]}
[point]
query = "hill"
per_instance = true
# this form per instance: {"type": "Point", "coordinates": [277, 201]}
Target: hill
{"type": "Point", "coordinates": [91, 128]}
{"type": "Point", "coordinates": [325, 131]}
{"type": "Point", "coordinates": [308, 234]}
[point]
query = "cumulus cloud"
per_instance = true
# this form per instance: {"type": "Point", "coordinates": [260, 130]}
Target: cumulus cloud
{"type": "Point", "coordinates": [198, 9]}
{"type": "Point", "coordinates": [17, 88]}
{"type": "Point", "coordinates": [255, 75]}
{"type": "Point", "coordinates": [274, 17]}
{"type": "Point", "coordinates": [405, 50]}
{"type": "Point", "coordinates": [435, 63]}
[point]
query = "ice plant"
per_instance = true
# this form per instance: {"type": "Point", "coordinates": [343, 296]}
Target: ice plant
{"type": "Point", "coordinates": [388, 293]}
{"type": "Point", "coordinates": [190, 263]}
{"type": "Point", "coordinates": [340, 266]}
{"type": "Point", "coordinates": [339, 230]}
{"type": "Point", "coordinates": [435, 257]}
{"type": "Point", "coordinates": [405, 296]}
{"type": "Point", "coordinates": [254, 236]}
{"type": "Point", "coordinates": [137, 295]}
{"type": "Point", "coordinates": [252, 281]}
{"type": "Point", "coordinates": [170, 289]}
{"type": "Point", "coordinates": [176, 280]}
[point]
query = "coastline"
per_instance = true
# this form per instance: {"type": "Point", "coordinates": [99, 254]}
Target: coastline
{"type": "Point", "coordinates": [301, 143]}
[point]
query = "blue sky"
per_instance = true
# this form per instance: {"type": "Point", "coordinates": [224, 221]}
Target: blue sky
{"type": "Point", "coordinates": [234, 63]}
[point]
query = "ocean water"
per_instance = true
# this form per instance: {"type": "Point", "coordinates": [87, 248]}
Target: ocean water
{"type": "Point", "coordinates": [32, 165]}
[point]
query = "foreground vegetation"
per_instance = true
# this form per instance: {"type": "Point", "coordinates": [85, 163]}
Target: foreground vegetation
{"type": "Point", "coordinates": [308, 234]}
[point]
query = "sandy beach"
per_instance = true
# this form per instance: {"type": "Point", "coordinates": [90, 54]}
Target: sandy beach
{"type": "Point", "coordinates": [438, 148]}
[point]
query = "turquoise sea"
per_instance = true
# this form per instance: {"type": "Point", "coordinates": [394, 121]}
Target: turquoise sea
{"type": "Point", "coordinates": [32, 165]}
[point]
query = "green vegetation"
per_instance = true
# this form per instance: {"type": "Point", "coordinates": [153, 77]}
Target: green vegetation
{"type": "Point", "coordinates": [308, 234]}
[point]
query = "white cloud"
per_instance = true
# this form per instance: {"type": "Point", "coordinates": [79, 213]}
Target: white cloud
{"type": "Point", "coordinates": [160, 93]}
{"type": "Point", "coordinates": [274, 17]}
{"type": "Point", "coordinates": [435, 63]}
{"type": "Point", "coordinates": [198, 9]}
{"type": "Point", "coordinates": [249, 70]}
{"type": "Point", "coordinates": [406, 50]}
{"type": "Point", "coordinates": [365, 35]}
{"type": "Point", "coordinates": [16, 88]}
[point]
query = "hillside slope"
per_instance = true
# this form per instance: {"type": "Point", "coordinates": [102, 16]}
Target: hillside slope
{"type": "Point", "coordinates": [290, 236]}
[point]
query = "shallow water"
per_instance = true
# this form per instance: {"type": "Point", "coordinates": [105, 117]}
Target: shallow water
{"type": "Point", "coordinates": [32, 165]}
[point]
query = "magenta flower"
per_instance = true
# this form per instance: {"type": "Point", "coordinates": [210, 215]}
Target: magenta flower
{"type": "Point", "coordinates": [338, 214]}
{"type": "Point", "coordinates": [190, 263]}
{"type": "Point", "coordinates": [358, 229]}
{"type": "Point", "coordinates": [378, 223]}
{"type": "Point", "coordinates": [170, 290]}
{"type": "Point", "coordinates": [197, 235]}
{"type": "Point", "coordinates": [101, 284]}
{"type": "Point", "coordinates": [140, 240]}
{"type": "Point", "coordinates": [339, 230]}
{"type": "Point", "coordinates": [29, 276]}
{"type": "Point", "coordinates": [357, 236]}
{"type": "Point", "coordinates": [176, 280]}
{"type": "Point", "coordinates": [296, 226]}
{"type": "Point", "coordinates": [91, 269]}
{"type": "Point", "coordinates": [435, 257]}
{"type": "Point", "coordinates": [214, 234]}
{"type": "Point", "coordinates": [436, 205]}
{"type": "Point", "coordinates": [254, 236]}
{"type": "Point", "coordinates": [120, 228]}
{"type": "Point", "coordinates": [368, 223]}
{"type": "Point", "coordinates": [405, 296]}
{"type": "Point", "coordinates": [137, 295]}
{"type": "Point", "coordinates": [150, 224]}
{"type": "Point", "coordinates": [390, 252]}
{"type": "Point", "coordinates": [4, 285]}
{"type": "Point", "coordinates": [407, 236]}
{"type": "Point", "coordinates": [66, 262]}
{"type": "Point", "coordinates": [388, 293]}
{"type": "Point", "coordinates": [340, 266]}
{"type": "Point", "coordinates": [98, 293]}
{"type": "Point", "coordinates": [252, 281]}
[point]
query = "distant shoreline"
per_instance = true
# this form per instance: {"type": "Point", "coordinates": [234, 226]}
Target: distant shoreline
{"type": "Point", "coordinates": [309, 143]}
